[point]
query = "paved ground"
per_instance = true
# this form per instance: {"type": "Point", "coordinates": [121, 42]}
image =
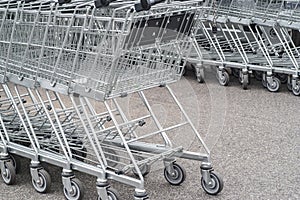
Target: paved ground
{"type": "Point", "coordinates": [254, 137]}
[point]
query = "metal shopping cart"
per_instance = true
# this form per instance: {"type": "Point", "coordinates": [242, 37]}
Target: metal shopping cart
{"type": "Point", "coordinates": [64, 69]}
{"type": "Point", "coordinates": [251, 37]}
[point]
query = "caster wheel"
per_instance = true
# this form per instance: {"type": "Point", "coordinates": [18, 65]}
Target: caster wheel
{"type": "Point", "coordinates": [141, 196]}
{"type": "Point", "coordinates": [200, 79]}
{"type": "Point", "coordinates": [77, 192]}
{"type": "Point", "coordinates": [228, 70]}
{"type": "Point", "coordinates": [274, 85]}
{"type": "Point", "coordinates": [112, 194]}
{"type": "Point", "coordinates": [258, 75]}
{"type": "Point", "coordinates": [178, 177]}
{"type": "Point", "coordinates": [215, 186]}
{"type": "Point", "coordinates": [264, 83]}
{"type": "Point", "coordinates": [199, 75]}
{"type": "Point", "coordinates": [245, 86]}
{"type": "Point", "coordinates": [16, 163]}
{"type": "Point", "coordinates": [296, 90]}
{"type": "Point", "coordinates": [282, 77]}
{"type": "Point", "coordinates": [111, 157]}
{"type": "Point", "coordinates": [235, 72]}
{"type": "Point", "coordinates": [245, 81]}
{"type": "Point", "coordinates": [44, 183]}
{"type": "Point", "coordinates": [9, 175]}
{"type": "Point", "coordinates": [223, 78]}
{"type": "Point", "coordinates": [289, 87]}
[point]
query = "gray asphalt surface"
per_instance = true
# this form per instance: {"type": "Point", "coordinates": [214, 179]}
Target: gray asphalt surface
{"type": "Point", "coordinates": [253, 135]}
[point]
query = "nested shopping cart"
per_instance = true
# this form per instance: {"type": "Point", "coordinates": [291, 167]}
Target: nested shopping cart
{"type": "Point", "coordinates": [251, 37]}
{"type": "Point", "coordinates": [64, 70]}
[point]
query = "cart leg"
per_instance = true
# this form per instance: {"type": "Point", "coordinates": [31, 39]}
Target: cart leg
{"type": "Point", "coordinates": [296, 86]}
{"type": "Point", "coordinates": [169, 165]}
{"type": "Point", "coordinates": [235, 72]}
{"type": "Point", "coordinates": [289, 83]}
{"type": "Point", "coordinates": [264, 80]}
{"type": "Point", "coordinates": [223, 76]}
{"type": "Point", "coordinates": [73, 188]}
{"type": "Point", "coordinates": [67, 175]}
{"type": "Point", "coordinates": [244, 78]}
{"type": "Point", "coordinates": [205, 171]}
{"type": "Point", "coordinates": [211, 182]}
{"type": "Point", "coordinates": [4, 158]}
{"type": "Point", "coordinates": [102, 186]}
{"type": "Point", "coordinates": [8, 171]}
{"type": "Point", "coordinates": [273, 83]}
{"type": "Point", "coordinates": [41, 179]}
{"type": "Point", "coordinates": [199, 72]}
{"type": "Point", "coordinates": [174, 173]}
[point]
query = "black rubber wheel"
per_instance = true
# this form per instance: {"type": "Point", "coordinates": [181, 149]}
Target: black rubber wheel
{"type": "Point", "coordinates": [142, 196]}
{"type": "Point", "coordinates": [44, 183]}
{"type": "Point", "coordinates": [16, 163]}
{"type": "Point", "coordinates": [296, 90]}
{"type": "Point", "coordinates": [178, 177]}
{"type": "Point", "coordinates": [216, 185]}
{"type": "Point", "coordinates": [199, 75]}
{"type": "Point", "coordinates": [200, 79]}
{"type": "Point", "coordinates": [77, 192]}
{"type": "Point", "coordinates": [235, 72]}
{"type": "Point", "coordinates": [258, 75]}
{"type": "Point", "coordinates": [9, 175]}
{"type": "Point", "coordinates": [282, 77]}
{"type": "Point", "coordinates": [223, 78]}
{"type": "Point", "coordinates": [264, 83]}
{"type": "Point", "coordinates": [244, 86]}
{"type": "Point", "coordinates": [274, 85]}
{"type": "Point", "coordinates": [289, 87]}
{"type": "Point", "coordinates": [112, 194]}
{"type": "Point", "coordinates": [245, 81]}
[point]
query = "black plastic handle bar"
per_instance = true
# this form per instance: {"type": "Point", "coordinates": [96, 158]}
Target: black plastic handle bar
{"type": "Point", "coordinates": [146, 4]}
{"type": "Point", "coordinates": [102, 3]}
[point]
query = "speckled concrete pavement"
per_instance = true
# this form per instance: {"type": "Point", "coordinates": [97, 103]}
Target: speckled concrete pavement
{"type": "Point", "coordinates": [253, 135]}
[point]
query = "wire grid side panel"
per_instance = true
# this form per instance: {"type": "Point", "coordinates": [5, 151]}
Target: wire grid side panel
{"type": "Point", "coordinates": [98, 53]}
{"type": "Point", "coordinates": [6, 21]}
{"type": "Point", "coordinates": [153, 51]}
{"type": "Point", "coordinates": [21, 37]}
{"type": "Point", "coordinates": [232, 7]}
{"type": "Point", "coordinates": [12, 124]}
{"type": "Point", "coordinates": [88, 51]}
{"type": "Point", "coordinates": [262, 9]}
{"type": "Point", "coordinates": [134, 52]}
{"type": "Point", "coordinates": [43, 45]}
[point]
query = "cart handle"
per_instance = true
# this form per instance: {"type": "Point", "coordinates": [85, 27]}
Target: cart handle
{"type": "Point", "coordinates": [146, 4]}
{"type": "Point", "coordinates": [103, 3]}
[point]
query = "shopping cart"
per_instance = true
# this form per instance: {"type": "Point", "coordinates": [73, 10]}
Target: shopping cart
{"type": "Point", "coordinates": [64, 69]}
{"type": "Point", "coordinates": [246, 37]}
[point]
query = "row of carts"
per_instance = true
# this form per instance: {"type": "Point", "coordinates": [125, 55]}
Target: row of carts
{"type": "Point", "coordinates": [250, 38]}
{"type": "Point", "coordinates": [64, 68]}
{"type": "Point", "coordinates": [66, 65]}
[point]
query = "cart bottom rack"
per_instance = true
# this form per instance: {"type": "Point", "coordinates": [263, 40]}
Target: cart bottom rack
{"type": "Point", "coordinates": [104, 139]}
